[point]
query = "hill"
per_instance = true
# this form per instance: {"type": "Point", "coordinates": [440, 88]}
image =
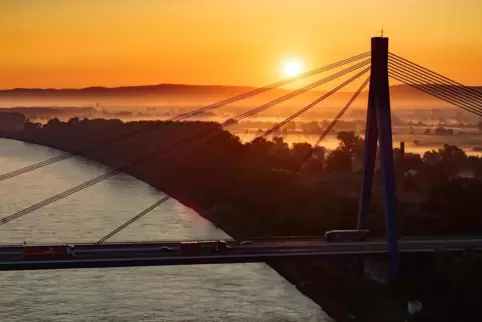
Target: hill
{"type": "Point", "coordinates": [180, 94]}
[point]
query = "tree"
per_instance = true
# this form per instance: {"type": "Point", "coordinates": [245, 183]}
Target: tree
{"type": "Point", "coordinates": [443, 131]}
{"type": "Point", "coordinates": [299, 151]}
{"type": "Point", "coordinates": [319, 153]}
{"type": "Point", "coordinates": [448, 160]}
{"type": "Point", "coordinates": [431, 158]}
{"type": "Point", "coordinates": [453, 158]}
{"type": "Point", "coordinates": [53, 123]}
{"type": "Point", "coordinates": [311, 127]}
{"type": "Point", "coordinates": [452, 206]}
{"type": "Point", "coordinates": [350, 143]}
{"type": "Point", "coordinates": [73, 121]}
{"type": "Point", "coordinates": [339, 161]}
{"type": "Point", "coordinates": [32, 125]}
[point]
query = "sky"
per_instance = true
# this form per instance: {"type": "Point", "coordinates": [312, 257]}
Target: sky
{"type": "Point", "coordinates": [75, 44]}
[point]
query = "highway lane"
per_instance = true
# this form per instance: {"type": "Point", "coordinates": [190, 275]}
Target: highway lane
{"type": "Point", "coordinates": [147, 254]}
{"type": "Point", "coordinates": [275, 245]}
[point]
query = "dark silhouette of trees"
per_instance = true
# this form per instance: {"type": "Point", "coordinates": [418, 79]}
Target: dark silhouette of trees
{"type": "Point", "coordinates": [351, 144]}
{"type": "Point", "coordinates": [339, 161]}
{"type": "Point", "coordinates": [350, 147]}
{"type": "Point", "coordinates": [32, 126]}
{"type": "Point", "coordinates": [311, 127]}
{"type": "Point", "coordinates": [447, 161]}
{"type": "Point", "coordinates": [443, 131]}
{"type": "Point", "coordinates": [261, 182]}
{"type": "Point", "coordinates": [53, 123]}
{"type": "Point", "coordinates": [299, 151]}
{"type": "Point", "coordinates": [73, 121]}
{"type": "Point", "coordinates": [452, 205]}
{"type": "Point", "coordinates": [11, 121]}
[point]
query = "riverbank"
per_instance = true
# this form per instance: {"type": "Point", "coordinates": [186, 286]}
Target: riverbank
{"type": "Point", "coordinates": [342, 294]}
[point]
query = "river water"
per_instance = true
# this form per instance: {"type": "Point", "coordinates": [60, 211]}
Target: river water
{"type": "Point", "coordinates": [241, 292]}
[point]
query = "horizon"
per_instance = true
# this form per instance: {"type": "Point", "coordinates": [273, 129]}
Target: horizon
{"type": "Point", "coordinates": [89, 44]}
{"type": "Point", "coordinates": [180, 84]}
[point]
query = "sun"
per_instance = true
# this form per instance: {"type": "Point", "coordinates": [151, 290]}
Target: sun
{"type": "Point", "coordinates": [293, 68]}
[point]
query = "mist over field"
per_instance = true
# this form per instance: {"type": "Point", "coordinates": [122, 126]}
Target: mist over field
{"type": "Point", "coordinates": [421, 121]}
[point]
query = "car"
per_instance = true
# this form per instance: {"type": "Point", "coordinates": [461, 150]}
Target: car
{"type": "Point", "coordinates": [166, 249]}
{"type": "Point", "coordinates": [53, 251]}
{"type": "Point", "coordinates": [246, 242]}
{"type": "Point", "coordinates": [346, 235]}
{"type": "Point", "coordinates": [221, 245]}
{"type": "Point", "coordinates": [70, 250]}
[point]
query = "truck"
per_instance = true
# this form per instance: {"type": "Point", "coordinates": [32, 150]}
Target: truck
{"type": "Point", "coordinates": [55, 251]}
{"type": "Point", "coordinates": [346, 235]}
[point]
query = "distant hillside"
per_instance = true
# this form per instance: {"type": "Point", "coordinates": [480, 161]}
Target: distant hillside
{"type": "Point", "coordinates": [162, 89]}
{"type": "Point", "coordinates": [405, 91]}
{"type": "Point", "coordinates": [128, 96]}
{"type": "Point", "coordinates": [167, 89]}
{"type": "Point", "coordinates": [165, 94]}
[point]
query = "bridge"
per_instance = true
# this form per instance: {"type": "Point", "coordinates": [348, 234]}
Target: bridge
{"type": "Point", "coordinates": [154, 253]}
{"type": "Point", "coordinates": [381, 64]}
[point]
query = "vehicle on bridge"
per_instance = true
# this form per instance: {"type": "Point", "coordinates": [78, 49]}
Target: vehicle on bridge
{"type": "Point", "coordinates": [346, 235]}
{"type": "Point", "coordinates": [166, 249]}
{"type": "Point", "coordinates": [198, 247]}
{"type": "Point", "coordinates": [56, 251]}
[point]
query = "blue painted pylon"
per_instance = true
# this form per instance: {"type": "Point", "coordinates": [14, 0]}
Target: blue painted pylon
{"type": "Point", "coordinates": [379, 127]}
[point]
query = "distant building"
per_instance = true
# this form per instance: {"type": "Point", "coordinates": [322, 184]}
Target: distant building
{"type": "Point", "coordinates": [11, 121]}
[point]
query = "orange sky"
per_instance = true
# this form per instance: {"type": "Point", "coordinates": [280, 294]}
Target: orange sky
{"type": "Point", "coordinates": [63, 43]}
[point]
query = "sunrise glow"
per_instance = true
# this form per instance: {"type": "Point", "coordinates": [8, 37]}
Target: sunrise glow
{"type": "Point", "coordinates": [293, 68]}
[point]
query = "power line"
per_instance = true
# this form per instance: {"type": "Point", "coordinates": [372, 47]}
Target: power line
{"type": "Point", "coordinates": [182, 116]}
{"type": "Point", "coordinates": [265, 134]}
{"type": "Point", "coordinates": [178, 143]}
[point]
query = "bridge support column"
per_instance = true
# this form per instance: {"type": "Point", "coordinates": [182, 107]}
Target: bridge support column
{"type": "Point", "coordinates": [379, 127]}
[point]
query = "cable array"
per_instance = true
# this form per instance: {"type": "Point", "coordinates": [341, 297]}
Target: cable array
{"type": "Point", "coordinates": [401, 69]}
{"type": "Point", "coordinates": [182, 116]}
{"type": "Point", "coordinates": [435, 84]}
{"type": "Point", "coordinates": [332, 124]}
{"type": "Point", "coordinates": [289, 119]}
{"type": "Point", "coordinates": [130, 221]}
{"type": "Point", "coordinates": [263, 135]}
{"type": "Point", "coordinates": [178, 143]}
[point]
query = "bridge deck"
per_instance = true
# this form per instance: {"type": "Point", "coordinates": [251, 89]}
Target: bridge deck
{"type": "Point", "coordinates": [150, 254]}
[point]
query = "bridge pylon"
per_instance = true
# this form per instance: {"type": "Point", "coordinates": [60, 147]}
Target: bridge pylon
{"type": "Point", "coordinates": [379, 128]}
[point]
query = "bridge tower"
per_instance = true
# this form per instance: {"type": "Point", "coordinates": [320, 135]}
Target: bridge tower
{"type": "Point", "coordinates": [379, 127]}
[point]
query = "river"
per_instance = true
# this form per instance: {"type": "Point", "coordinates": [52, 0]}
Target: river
{"type": "Point", "coordinates": [241, 292]}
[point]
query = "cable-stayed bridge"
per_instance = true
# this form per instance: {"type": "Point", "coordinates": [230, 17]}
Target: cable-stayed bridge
{"type": "Point", "coordinates": [374, 68]}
